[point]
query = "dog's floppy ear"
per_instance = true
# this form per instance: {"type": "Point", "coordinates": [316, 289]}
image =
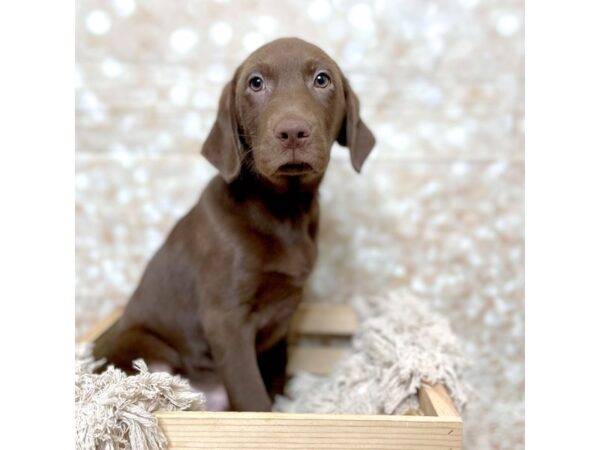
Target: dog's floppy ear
{"type": "Point", "coordinates": [222, 147]}
{"type": "Point", "coordinates": [354, 134]}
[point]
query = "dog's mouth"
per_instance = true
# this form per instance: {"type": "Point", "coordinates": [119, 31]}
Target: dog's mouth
{"type": "Point", "coordinates": [295, 168]}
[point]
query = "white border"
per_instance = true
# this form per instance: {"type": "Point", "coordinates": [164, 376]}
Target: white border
{"type": "Point", "coordinates": [563, 224]}
{"type": "Point", "coordinates": [37, 224]}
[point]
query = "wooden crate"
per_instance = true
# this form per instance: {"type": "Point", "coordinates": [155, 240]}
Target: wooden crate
{"type": "Point", "coordinates": [439, 428]}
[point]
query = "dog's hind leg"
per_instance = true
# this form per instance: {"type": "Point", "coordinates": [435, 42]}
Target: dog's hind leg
{"type": "Point", "coordinates": [121, 348]}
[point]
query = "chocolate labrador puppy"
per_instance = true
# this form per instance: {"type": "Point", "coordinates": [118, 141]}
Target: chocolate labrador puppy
{"type": "Point", "coordinates": [214, 304]}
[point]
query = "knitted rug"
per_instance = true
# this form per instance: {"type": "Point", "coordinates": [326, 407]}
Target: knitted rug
{"type": "Point", "coordinates": [400, 344]}
{"type": "Point", "coordinates": [113, 411]}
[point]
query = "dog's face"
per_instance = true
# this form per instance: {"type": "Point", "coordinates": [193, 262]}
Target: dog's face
{"type": "Point", "coordinates": [291, 106]}
{"type": "Point", "coordinates": [280, 115]}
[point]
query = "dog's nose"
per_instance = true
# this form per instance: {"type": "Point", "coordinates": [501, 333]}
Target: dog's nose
{"type": "Point", "coordinates": [292, 133]}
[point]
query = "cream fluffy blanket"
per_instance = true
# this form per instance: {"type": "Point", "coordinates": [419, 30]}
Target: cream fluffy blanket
{"type": "Point", "coordinates": [400, 344]}
{"type": "Point", "coordinates": [113, 411]}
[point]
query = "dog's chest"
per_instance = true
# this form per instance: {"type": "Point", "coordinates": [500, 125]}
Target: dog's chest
{"type": "Point", "coordinates": [273, 307]}
{"type": "Point", "coordinates": [287, 264]}
{"type": "Point", "coordinates": [290, 253]}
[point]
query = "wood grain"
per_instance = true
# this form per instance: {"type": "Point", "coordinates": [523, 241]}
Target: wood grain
{"type": "Point", "coordinates": [310, 319]}
{"type": "Point", "coordinates": [318, 360]}
{"type": "Point", "coordinates": [231, 430]}
{"type": "Point", "coordinates": [435, 401]}
{"type": "Point", "coordinates": [324, 319]}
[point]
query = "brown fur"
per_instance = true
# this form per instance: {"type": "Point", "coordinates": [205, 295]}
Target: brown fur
{"type": "Point", "coordinates": [214, 303]}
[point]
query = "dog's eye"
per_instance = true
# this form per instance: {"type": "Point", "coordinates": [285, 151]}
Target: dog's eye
{"type": "Point", "coordinates": [322, 80]}
{"type": "Point", "coordinates": [256, 83]}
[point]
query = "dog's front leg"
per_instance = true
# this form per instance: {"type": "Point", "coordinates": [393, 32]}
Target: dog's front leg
{"type": "Point", "coordinates": [232, 341]}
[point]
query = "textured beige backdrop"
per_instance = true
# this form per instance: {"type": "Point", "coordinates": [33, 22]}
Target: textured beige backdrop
{"type": "Point", "coordinates": [438, 209]}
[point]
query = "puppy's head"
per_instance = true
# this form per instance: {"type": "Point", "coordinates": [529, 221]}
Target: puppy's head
{"type": "Point", "coordinates": [281, 113]}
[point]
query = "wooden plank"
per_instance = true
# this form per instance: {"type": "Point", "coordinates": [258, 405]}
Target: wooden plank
{"type": "Point", "coordinates": [435, 401]}
{"type": "Point", "coordinates": [313, 359]}
{"type": "Point", "coordinates": [319, 360]}
{"type": "Point", "coordinates": [101, 326]}
{"type": "Point", "coordinates": [324, 319]}
{"type": "Point", "coordinates": [310, 319]}
{"type": "Point", "coordinates": [245, 430]}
